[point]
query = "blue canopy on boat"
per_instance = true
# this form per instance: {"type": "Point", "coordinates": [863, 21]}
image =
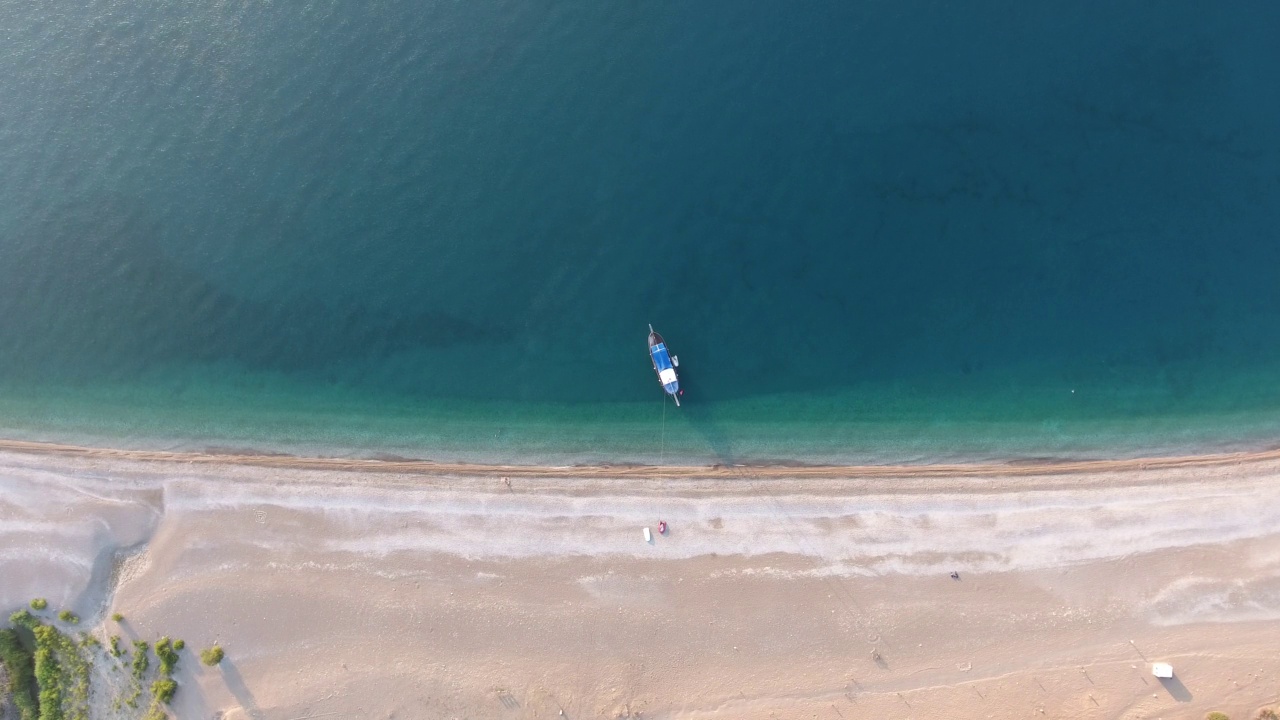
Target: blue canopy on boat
{"type": "Point", "coordinates": [666, 371]}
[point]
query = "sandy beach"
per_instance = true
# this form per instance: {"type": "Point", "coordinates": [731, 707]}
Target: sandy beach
{"type": "Point", "coordinates": [402, 589]}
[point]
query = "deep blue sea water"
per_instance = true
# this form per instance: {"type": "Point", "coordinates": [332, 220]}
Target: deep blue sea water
{"type": "Point", "coordinates": [872, 231]}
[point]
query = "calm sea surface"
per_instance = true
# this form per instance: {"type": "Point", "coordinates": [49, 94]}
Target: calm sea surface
{"type": "Point", "coordinates": [872, 231]}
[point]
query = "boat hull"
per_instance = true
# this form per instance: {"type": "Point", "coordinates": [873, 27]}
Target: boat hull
{"type": "Point", "coordinates": [663, 365]}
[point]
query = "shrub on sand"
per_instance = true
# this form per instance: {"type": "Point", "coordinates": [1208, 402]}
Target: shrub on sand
{"type": "Point", "coordinates": [163, 689]}
{"type": "Point", "coordinates": [1215, 715]}
{"type": "Point", "coordinates": [22, 678]}
{"type": "Point", "coordinates": [68, 617]}
{"type": "Point", "coordinates": [179, 644]}
{"type": "Point", "coordinates": [211, 656]}
{"type": "Point", "coordinates": [117, 617]}
{"type": "Point", "coordinates": [140, 660]}
{"type": "Point", "coordinates": [48, 672]}
{"type": "Point", "coordinates": [39, 604]}
{"type": "Point", "coordinates": [168, 656]}
{"type": "Point", "coordinates": [1268, 714]}
{"type": "Point", "coordinates": [24, 619]}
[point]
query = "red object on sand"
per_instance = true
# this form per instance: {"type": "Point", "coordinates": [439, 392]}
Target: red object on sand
{"type": "Point", "coordinates": [662, 527]}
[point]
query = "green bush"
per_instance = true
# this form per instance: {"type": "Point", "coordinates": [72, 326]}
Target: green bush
{"type": "Point", "coordinates": [211, 656]}
{"type": "Point", "coordinates": [168, 656]}
{"type": "Point", "coordinates": [68, 617]}
{"type": "Point", "coordinates": [1215, 715]}
{"type": "Point", "coordinates": [39, 604]}
{"type": "Point", "coordinates": [53, 682]}
{"type": "Point", "coordinates": [48, 673]}
{"type": "Point", "coordinates": [1268, 714]}
{"type": "Point", "coordinates": [163, 689]}
{"type": "Point", "coordinates": [24, 619]}
{"type": "Point", "coordinates": [62, 669]}
{"type": "Point", "coordinates": [140, 659]}
{"type": "Point", "coordinates": [22, 676]}
{"type": "Point", "coordinates": [117, 617]}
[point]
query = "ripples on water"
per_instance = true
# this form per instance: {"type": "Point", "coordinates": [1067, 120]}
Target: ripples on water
{"type": "Point", "coordinates": [898, 233]}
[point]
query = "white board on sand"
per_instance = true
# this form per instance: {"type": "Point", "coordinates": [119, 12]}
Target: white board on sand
{"type": "Point", "coordinates": [1162, 670]}
{"type": "Point", "coordinates": [648, 536]}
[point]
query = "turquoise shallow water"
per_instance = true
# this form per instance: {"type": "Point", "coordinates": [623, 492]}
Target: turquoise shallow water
{"type": "Point", "coordinates": [909, 422]}
{"type": "Point", "coordinates": [889, 232]}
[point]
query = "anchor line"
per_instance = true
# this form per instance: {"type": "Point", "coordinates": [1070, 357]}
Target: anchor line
{"type": "Point", "coordinates": [662, 442]}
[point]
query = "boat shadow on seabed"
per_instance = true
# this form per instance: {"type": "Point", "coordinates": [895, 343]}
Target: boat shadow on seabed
{"type": "Point", "coordinates": [701, 418]}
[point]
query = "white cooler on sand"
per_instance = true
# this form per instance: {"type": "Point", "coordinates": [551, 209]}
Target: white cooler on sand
{"type": "Point", "coordinates": [1162, 670]}
{"type": "Point", "coordinates": [648, 536]}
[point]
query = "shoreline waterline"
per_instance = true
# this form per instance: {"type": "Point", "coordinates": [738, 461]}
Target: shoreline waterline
{"type": "Point", "coordinates": [1013, 468]}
